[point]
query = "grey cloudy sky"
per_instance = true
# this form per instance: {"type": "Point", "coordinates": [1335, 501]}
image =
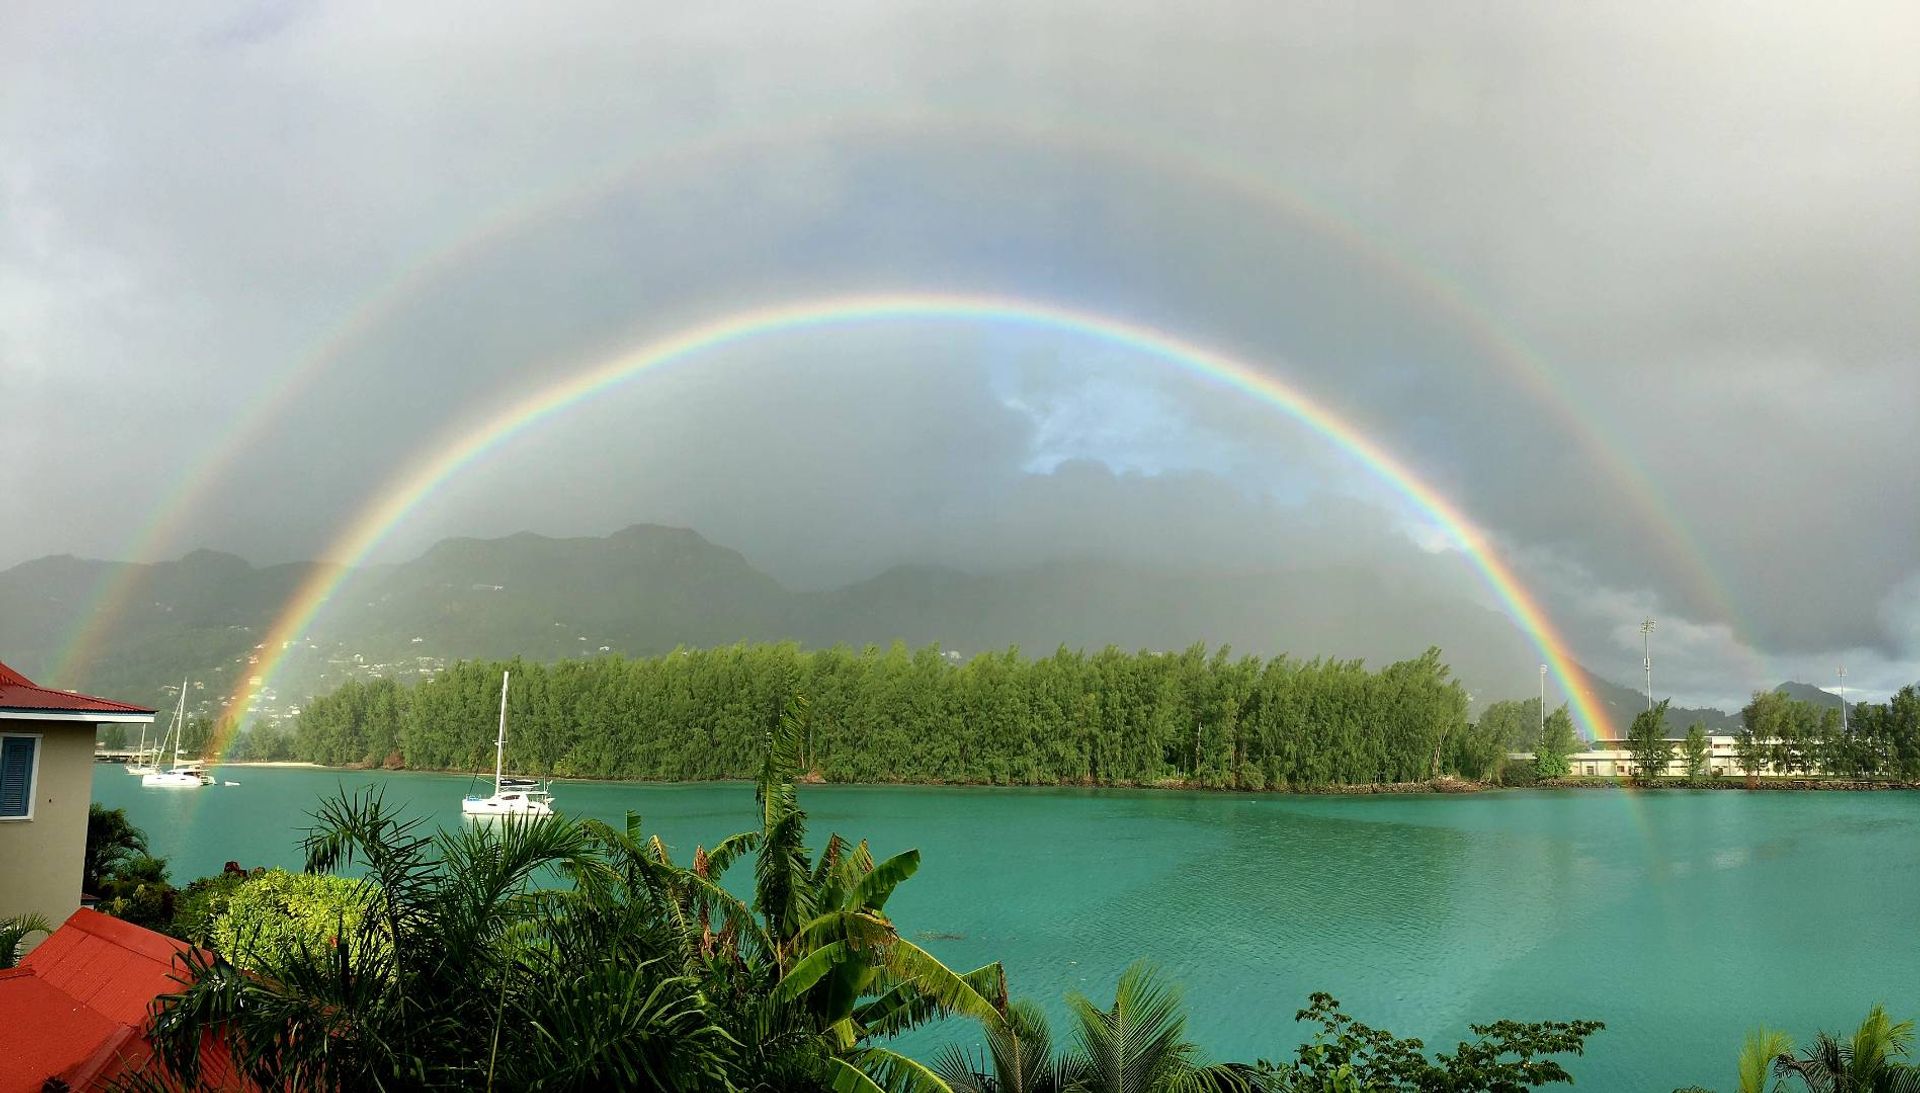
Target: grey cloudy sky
{"type": "Point", "coordinates": [1505, 239]}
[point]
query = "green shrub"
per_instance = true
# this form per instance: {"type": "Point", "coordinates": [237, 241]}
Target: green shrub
{"type": "Point", "coordinates": [272, 916]}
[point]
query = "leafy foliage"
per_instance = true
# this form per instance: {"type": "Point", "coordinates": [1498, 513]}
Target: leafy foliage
{"type": "Point", "coordinates": [113, 843]}
{"type": "Point", "coordinates": [14, 932]}
{"type": "Point", "coordinates": [1647, 741]}
{"type": "Point", "coordinates": [1697, 751]}
{"type": "Point", "coordinates": [271, 918]}
{"type": "Point", "coordinates": [1347, 1056]}
{"type": "Point", "coordinates": [456, 961]}
{"type": "Point", "coordinates": [1557, 742]}
{"type": "Point", "coordinates": [1109, 718]}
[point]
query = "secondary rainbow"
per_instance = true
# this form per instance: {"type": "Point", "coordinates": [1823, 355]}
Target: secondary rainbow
{"type": "Point", "coordinates": [461, 447]}
{"type": "Point", "coordinates": [166, 522]}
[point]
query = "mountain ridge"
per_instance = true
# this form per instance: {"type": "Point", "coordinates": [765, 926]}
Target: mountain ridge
{"type": "Point", "coordinates": [648, 588]}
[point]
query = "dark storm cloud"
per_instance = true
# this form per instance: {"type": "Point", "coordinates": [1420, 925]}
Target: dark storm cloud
{"type": "Point", "coordinates": [1703, 223]}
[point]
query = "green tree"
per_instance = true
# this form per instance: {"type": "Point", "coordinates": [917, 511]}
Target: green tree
{"type": "Point", "coordinates": [1557, 741]}
{"type": "Point", "coordinates": [812, 972]}
{"type": "Point", "coordinates": [1697, 751]}
{"type": "Point", "coordinates": [1016, 1058]}
{"type": "Point", "coordinates": [1752, 752]}
{"type": "Point", "coordinates": [457, 952]}
{"type": "Point", "coordinates": [1869, 1061]}
{"type": "Point", "coordinates": [1139, 1044]}
{"type": "Point", "coordinates": [1647, 741]}
{"type": "Point", "coordinates": [113, 843]}
{"type": "Point", "coordinates": [1347, 1056]}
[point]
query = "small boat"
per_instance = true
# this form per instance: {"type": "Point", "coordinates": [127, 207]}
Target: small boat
{"type": "Point", "coordinates": [511, 796]}
{"type": "Point", "coordinates": [180, 775]}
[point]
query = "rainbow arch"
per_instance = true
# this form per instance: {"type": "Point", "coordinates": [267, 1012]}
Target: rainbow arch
{"type": "Point", "coordinates": [413, 278]}
{"type": "Point", "coordinates": [460, 448]}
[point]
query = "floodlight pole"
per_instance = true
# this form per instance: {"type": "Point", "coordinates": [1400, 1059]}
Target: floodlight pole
{"type": "Point", "coordinates": [1646, 658]}
{"type": "Point", "coordinates": [1542, 711]}
{"type": "Point", "coordinates": [1843, 699]}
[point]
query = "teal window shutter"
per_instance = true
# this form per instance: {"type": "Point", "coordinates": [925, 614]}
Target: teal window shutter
{"type": "Point", "coordinates": [16, 775]}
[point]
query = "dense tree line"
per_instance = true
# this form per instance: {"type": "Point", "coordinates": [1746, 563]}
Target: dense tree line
{"type": "Point", "coordinates": [1781, 734]}
{"type": "Point", "coordinates": [1107, 718]}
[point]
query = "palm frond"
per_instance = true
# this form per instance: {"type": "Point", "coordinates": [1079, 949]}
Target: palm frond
{"type": "Point", "coordinates": [1758, 1053]}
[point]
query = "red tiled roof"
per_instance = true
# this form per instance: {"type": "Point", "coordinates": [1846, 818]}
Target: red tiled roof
{"type": "Point", "coordinates": [76, 1007]}
{"type": "Point", "coordinates": [17, 692]}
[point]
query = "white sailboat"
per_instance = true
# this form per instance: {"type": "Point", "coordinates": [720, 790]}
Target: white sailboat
{"type": "Point", "coordinates": [142, 762]}
{"type": "Point", "coordinates": [511, 796]}
{"type": "Point", "coordinates": [180, 775]}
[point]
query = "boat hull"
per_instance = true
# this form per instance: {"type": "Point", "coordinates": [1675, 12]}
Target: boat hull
{"type": "Point", "coordinates": [171, 780]}
{"type": "Point", "coordinates": [493, 806]}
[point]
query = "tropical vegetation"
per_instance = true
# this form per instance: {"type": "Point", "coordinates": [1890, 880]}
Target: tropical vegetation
{"type": "Point", "coordinates": [1876, 740]}
{"type": "Point", "coordinates": [1875, 1058]}
{"type": "Point", "coordinates": [1195, 718]}
{"type": "Point", "coordinates": [14, 932]}
{"type": "Point", "coordinates": [560, 954]}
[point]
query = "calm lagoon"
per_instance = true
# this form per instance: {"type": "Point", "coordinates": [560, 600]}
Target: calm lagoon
{"type": "Point", "coordinates": [1679, 918]}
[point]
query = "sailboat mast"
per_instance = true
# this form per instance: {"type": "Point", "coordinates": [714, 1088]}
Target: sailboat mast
{"type": "Point", "coordinates": [180, 721]}
{"type": "Point", "coordinates": [500, 745]}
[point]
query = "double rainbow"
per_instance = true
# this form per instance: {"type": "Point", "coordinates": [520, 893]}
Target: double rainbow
{"type": "Point", "coordinates": [460, 448]}
{"type": "Point", "coordinates": [165, 524]}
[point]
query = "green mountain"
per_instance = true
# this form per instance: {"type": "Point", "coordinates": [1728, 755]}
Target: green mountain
{"type": "Point", "coordinates": [1812, 695]}
{"type": "Point", "coordinates": [1622, 703]}
{"type": "Point", "coordinates": [648, 589]}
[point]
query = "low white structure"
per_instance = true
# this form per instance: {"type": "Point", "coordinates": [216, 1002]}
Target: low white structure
{"type": "Point", "coordinates": [1613, 758]}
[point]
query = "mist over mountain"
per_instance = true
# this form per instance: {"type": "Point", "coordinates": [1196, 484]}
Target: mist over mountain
{"type": "Point", "coordinates": [647, 589]}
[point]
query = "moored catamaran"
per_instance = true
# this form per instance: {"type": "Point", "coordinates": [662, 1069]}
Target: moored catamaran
{"type": "Point", "coordinates": [180, 775]}
{"type": "Point", "coordinates": [511, 796]}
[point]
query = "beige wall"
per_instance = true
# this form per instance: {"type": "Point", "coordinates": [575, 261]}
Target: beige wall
{"type": "Point", "coordinates": [40, 859]}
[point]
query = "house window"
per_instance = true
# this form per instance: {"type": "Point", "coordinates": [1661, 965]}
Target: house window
{"type": "Point", "coordinates": [19, 763]}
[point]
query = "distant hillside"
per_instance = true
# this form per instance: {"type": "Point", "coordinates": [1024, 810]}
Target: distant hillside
{"type": "Point", "coordinates": [647, 589]}
{"type": "Point", "coordinates": [1812, 695]}
{"type": "Point", "coordinates": [199, 615]}
{"type": "Point", "coordinates": [1622, 703]}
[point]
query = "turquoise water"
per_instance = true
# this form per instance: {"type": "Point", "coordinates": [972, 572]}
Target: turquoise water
{"type": "Point", "coordinates": [1679, 918]}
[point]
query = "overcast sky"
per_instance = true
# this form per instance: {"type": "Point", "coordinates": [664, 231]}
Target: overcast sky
{"type": "Point", "coordinates": [1636, 289]}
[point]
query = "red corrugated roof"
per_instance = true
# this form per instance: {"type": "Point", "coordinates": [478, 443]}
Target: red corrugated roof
{"type": "Point", "coordinates": [76, 1007]}
{"type": "Point", "coordinates": [17, 692]}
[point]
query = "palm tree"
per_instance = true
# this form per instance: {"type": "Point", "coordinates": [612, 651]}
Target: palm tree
{"type": "Point", "coordinates": [1139, 1045]}
{"type": "Point", "coordinates": [460, 974]}
{"type": "Point", "coordinates": [464, 972]}
{"type": "Point", "coordinates": [113, 842]}
{"type": "Point", "coordinates": [13, 934]}
{"type": "Point", "coordinates": [1018, 1057]}
{"type": "Point", "coordinates": [1866, 1062]}
{"type": "Point", "coordinates": [1757, 1055]}
{"type": "Point", "coordinates": [812, 973]}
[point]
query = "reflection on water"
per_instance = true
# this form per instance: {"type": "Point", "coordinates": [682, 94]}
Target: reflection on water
{"type": "Point", "coordinates": [1678, 918]}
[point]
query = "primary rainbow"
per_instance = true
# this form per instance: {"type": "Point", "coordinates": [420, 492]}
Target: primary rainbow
{"type": "Point", "coordinates": [166, 523]}
{"type": "Point", "coordinates": [461, 447]}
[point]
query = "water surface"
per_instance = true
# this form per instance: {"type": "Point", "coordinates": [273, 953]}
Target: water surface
{"type": "Point", "coordinates": [1679, 918]}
